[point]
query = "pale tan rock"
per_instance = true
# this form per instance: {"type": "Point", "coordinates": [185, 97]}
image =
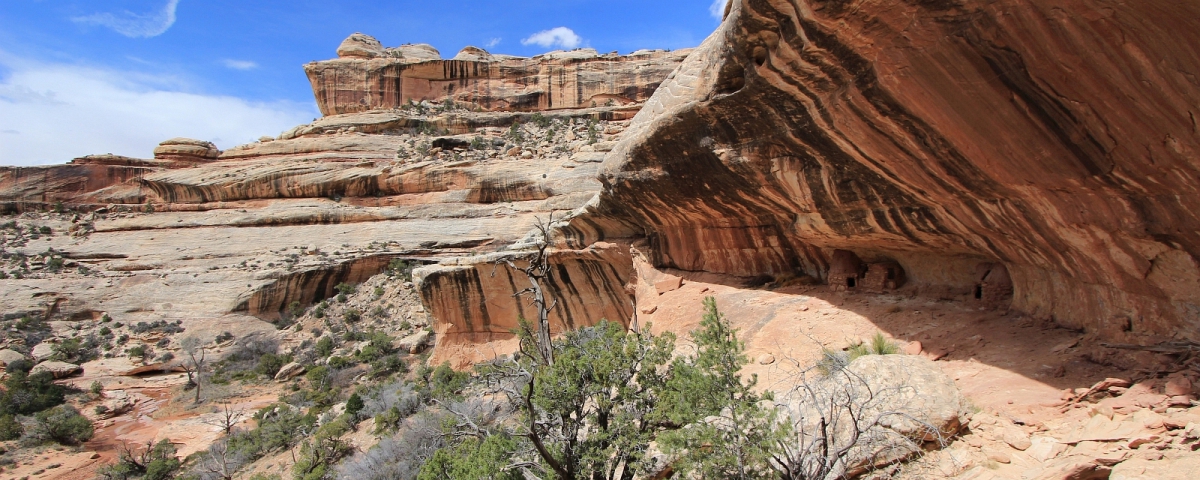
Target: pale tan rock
{"type": "Point", "coordinates": [1015, 438]}
{"type": "Point", "coordinates": [58, 369]}
{"type": "Point", "coordinates": [42, 351]}
{"type": "Point", "coordinates": [186, 149]}
{"type": "Point", "coordinates": [913, 348]}
{"type": "Point", "coordinates": [473, 54]}
{"type": "Point", "coordinates": [997, 456]}
{"type": "Point", "coordinates": [766, 359]}
{"type": "Point", "coordinates": [414, 343]}
{"type": "Point", "coordinates": [8, 356]}
{"type": "Point", "coordinates": [1180, 468]}
{"type": "Point", "coordinates": [289, 371]}
{"type": "Point", "coordinates": [1073, 469]}
{"type": "Point", "coordinates": [1044, 449]}
{"type": "Point", "coordinates": [359, 45]}
{"type": "Point", "coordinates": [905, 384]}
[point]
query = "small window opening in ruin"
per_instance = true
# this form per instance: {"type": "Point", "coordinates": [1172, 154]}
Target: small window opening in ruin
{"type": "Point", "coordinates": [891, 274]}
{"type": "Point", "coordinates": [979, 292]}
{"type": "Point", "coordinates": [850, 282]}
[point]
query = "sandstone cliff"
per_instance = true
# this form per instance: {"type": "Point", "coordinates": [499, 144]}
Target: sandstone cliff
{"type": "Point", "coordinates": [1057, 138]}
{"type": "Point", "coordinates": [366, 76]}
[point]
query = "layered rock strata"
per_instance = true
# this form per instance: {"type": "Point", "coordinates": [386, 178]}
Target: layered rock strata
{"type": "Point", "coordinates": [366, 76]}
{"type": "Point", "coordinates": [1057, 138]}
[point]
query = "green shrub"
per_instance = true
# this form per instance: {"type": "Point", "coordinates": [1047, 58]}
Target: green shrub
{"type": "Point", "coordinates": [387, 366]}
{"type": "Point", "coordinates": [279, 427]}
{"type": "Point", "coordinates": [270, 363]}
{"type": "Point", "coordinates": [345, 288]}
{"type": "Point", "coordinates": [879, 345]}
{"type": "Point", "coordinates": [354, 404]}
{"type": "Point", "coordinates": [338, 363]}
{"type": "Point", "coordinates": [444, 382]}
{"type": "Point", "coordinates": [324, 347]}
{"type": "Point", "coordinates": [62, 424]}
{"type": "Point", "coordinates": [26, 394]}
{"type": "Point", "coordinates": [138, 351]}
{"type": "Point", "coordinates": [10, 428]}
{"type": "Point", "coordinates": [295, 308]}
{"type": "Point", "coordinates": [352, 315]}
{"type": "Point", "coordinates": [318, 377]}
{"type": "Point", "coordinates": [402, 269]}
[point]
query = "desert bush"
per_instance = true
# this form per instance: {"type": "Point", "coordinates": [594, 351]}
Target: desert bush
{"type": "Point", "coordinates": [324, 347]}
{"type": "Point", "coordinates": [401, 268]}
{"type": "Point", "coordinates": [401, 456]}
{"type": "Point", "coordinates": [62, 424]}
{"type": "Point", "coordinates": [279, 427]}
{"type": "Point", "coordinates": [443, 382]}
{"type": "Point", "coordinates": [10, 428]}
{"type": "Point", "coordinates": [26, 394]}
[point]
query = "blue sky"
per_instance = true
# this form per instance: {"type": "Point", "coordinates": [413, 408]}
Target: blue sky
{"type": "Point", "coordinates": [119, 76]}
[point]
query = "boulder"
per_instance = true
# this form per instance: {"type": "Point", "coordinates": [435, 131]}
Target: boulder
{"type": "Point", "coordinates": [670, 283]}
{"type": "Point", "coordinates": [418, 51]}
{"type": "Point", "coordinates": [186, 149]}
{"type": "Point", "coordinates": [473, 54]}
{"type": "Point", "coordinates": [289, 371]}
{"type": "Point", "coordinates": [359, 45]}
{"type": "Point", "coordinates": [42, 351]}
{"type": "Point", "coordinates": [415, 342]}
{"type": "Point", "coordinates": [8, 356]}
{"type": "Point", "coordinates": [58, 369]}
{"type": "Point", "coordinates": [1177, 386]}
{"type": "Point", "coordinates": [912, 399]}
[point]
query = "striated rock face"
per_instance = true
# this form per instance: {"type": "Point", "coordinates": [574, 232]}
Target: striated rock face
{"type": "Point", "coordinates": [1057, 138]}
{"type": "Point", "coordinates": [367, 76]}
{"type": "Point", "coordinates": [472, 298]}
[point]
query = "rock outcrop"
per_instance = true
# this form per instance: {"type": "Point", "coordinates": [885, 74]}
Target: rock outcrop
{"type": "Point", "coordinates": [186, 149]}
{"type": "Point", "coordinates": [57, 369]}
{"type": "Point", "coordinates": [1057, 138]}
{"type": "Point", "coordinates": [473, 304]}
{"type": "Point", "coordinates": [366, 76]}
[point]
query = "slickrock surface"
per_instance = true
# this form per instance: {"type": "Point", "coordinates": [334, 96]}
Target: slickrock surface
{"type": "Point", "coordinates": [1055, 137]}
{"type": "Point", "coordinates": [966, 177]}
{"type": "Point", "coordinates": [366, 76]}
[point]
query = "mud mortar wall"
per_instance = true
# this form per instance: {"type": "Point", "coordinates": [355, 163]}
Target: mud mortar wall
{"type": "Point", "coordinates": [1057, 137]}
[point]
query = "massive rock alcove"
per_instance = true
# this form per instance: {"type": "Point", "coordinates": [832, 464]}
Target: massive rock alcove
{"type": "Point", "coordinates": [1057, 138]}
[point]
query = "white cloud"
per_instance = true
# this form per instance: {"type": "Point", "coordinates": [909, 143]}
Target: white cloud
{"type": "Point", "coordinates": [554, 37]}
{"type": "Point", "coordinates": [51, 113]}
{"type": "Point", "coordinates": [717, 9]}
{"type": "Point", "coordinates": [492, 43]}
{"type": "Point", "coordinates": [135, 25]}
{"type": "Point", "coordinates": [239, 64]}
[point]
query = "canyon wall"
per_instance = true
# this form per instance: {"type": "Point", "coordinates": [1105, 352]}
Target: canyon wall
{"type": "Point", "coordinates": [1058, 138]}
{"type": "Point", "coordinates": [475, 310]}
{"type": "Point", "coordinates": [367, 76]}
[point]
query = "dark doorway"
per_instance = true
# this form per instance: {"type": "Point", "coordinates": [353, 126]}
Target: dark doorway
{"type": "Point", "coordinates": [849, 282]}
{"type": "Point", "coordinates": [979, 292]}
